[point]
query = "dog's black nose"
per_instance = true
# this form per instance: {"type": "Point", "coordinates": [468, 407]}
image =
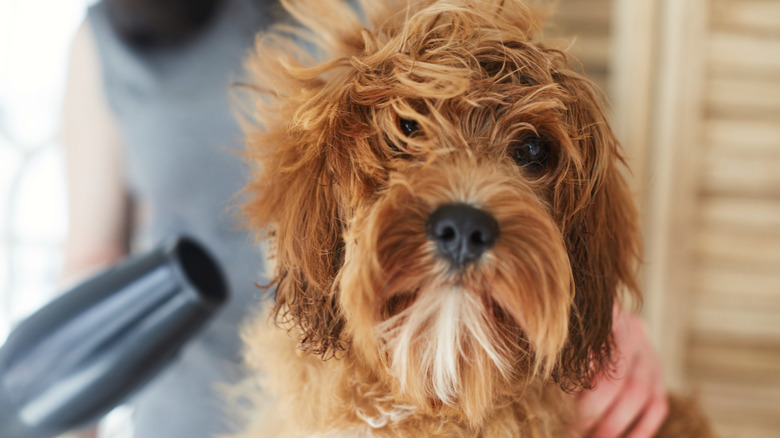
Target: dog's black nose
{"type": "Point", "coordinates": [462, 233]}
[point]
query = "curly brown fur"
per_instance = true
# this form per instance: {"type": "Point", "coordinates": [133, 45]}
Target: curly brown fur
{"type": "Point", "coordinates": [344, 194]}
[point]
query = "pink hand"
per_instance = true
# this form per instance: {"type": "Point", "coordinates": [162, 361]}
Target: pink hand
{"type": "Point", "coordinates": [631, 402]}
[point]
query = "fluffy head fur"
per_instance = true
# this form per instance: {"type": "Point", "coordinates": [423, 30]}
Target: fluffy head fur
{"type": "Point", "coordinates": [344, 194]}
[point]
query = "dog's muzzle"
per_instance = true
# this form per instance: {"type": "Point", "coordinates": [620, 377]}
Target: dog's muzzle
{"type": "Point", "coordinates": [462, 233]}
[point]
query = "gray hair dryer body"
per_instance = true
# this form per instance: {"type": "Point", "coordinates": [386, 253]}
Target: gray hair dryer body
{"type": "Point", "coordinates": [78, 357]}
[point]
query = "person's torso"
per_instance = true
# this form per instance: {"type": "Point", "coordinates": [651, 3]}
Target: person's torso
{"type": "Point", "coordinates": [181, 145]}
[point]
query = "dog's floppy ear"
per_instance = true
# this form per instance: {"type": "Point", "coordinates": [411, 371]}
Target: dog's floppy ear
{"type": "Point", "coordinates": [293, 197]}
{"type": "Point", "coordinates": [601, 233]}
{"type": "Point", "coordinates": [292, 131]}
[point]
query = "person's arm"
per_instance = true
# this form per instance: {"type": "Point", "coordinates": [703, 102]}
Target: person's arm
{"type": "Point", "coordinates": [97, 199]}
{"type": "Point", "coordinates": [632, 402]}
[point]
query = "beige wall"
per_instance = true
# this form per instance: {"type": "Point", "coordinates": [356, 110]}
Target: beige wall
{"type": "Point", "coordinates": [695, 85]}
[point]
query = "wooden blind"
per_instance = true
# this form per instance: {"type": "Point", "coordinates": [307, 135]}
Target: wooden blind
{"type": "Point", "coordinates": [734, 347]}
{"type": "Point", "coordinates": [582, 27]}
{"type": "Point", "coordinates": [696, 89]}
{"type": "Point", "coordinates": [708, 180]}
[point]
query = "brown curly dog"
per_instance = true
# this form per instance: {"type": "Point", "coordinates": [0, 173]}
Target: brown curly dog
{"type": "Point", "coordinates": [449, 225]}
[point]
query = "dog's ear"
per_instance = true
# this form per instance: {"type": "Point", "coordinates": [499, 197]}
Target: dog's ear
{"type": "Point", "coordinates": [299, 120]}
{"type": "Point", "coordinates": [292, 196]}
{"type": "Point", "coordinates": [292, 131]}
{"type": "Point", "coordinates": [599, 223]}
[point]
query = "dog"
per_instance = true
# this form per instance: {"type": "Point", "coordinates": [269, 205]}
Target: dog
{"type": "Point", "coordinates": [448, 223]}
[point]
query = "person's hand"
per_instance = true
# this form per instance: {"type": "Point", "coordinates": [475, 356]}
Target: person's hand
{"type": "Point", "coordinates": [631, 401]}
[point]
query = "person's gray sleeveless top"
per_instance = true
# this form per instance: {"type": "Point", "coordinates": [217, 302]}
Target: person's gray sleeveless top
{"type": "Point", "coordinates": [181, 143]}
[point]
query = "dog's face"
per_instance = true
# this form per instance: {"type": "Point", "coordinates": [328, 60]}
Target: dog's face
{"type": "Point", "coordinates": [444, 199]}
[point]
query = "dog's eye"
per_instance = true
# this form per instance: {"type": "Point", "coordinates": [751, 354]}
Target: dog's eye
{"type": "Point", "coordinates": [408, 126]}
{"type": "Point", "coordinates": [532, 152]}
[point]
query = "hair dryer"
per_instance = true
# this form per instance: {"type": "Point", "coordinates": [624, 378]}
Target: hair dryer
{"type": "Point", "coordinates": [79, 356]}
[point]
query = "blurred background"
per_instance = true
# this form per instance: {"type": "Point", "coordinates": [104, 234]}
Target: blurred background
{"type": "Point", "coordinates": [35, 36]}
{"type": "Point", "coordinates": [695, 93]}
{"type": "Point", "coordinates": [694, 88]}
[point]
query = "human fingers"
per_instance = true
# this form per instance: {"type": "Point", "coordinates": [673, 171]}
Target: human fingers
{"type": "Point", "coordinates": [619, 397]}
{"type": "Point", "coordinates": [652, 417]}
{"type": "Point", "coordinates": [592, 404]}
{"type": "Point", "coordinates": [626, 409]}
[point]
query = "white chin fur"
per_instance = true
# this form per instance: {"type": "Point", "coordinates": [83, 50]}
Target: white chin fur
{"type": "Point", "coordinates": [433, 339]}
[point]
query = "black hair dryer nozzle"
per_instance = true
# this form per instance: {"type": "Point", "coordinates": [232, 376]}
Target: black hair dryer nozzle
{"type": "Point", "coordinates": [81, 355]}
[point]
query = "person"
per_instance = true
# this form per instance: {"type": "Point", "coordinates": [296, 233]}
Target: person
{"type": "Point", "coordinates": [151, 151]}
{"type": "Point", "coordinates": [629, 400]}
